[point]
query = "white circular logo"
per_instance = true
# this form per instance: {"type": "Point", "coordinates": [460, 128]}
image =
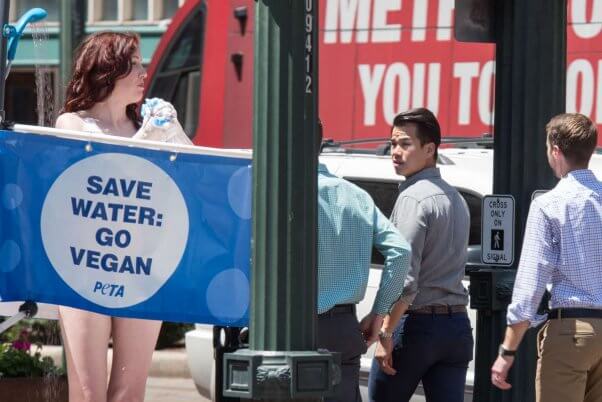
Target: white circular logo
{"type": "Point", "coordinates": [115, 228]}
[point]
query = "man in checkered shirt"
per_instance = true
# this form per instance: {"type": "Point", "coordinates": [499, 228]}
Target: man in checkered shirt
{"type": "Point", "coordinates": [349, 225]}
{"type": "Point", "coordinates": [562, 247]}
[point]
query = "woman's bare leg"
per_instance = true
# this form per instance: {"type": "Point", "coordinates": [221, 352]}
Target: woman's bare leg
{"type": "Point", "coordinates": [86, 338]}
{"type": "Point", "coordinates": [133, 343]}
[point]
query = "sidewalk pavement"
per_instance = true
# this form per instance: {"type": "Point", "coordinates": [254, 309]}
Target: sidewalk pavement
{"type": "Point", "coordinates": [172, 390]}
{"type": "Point", "coordinates": [166, 363]}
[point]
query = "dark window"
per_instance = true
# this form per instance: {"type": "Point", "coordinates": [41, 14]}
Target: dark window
{"type": "Point", "coordinates": [169, 8]}
{"type": "Point", "coordinates": [140, 11]}
{"type": "Point", "coordinates": [109, 10]}
{"type": "Point", "coordinates": [180, 99]}
{"type": "Point", "coordinates": [186, 53]}
{"type": "Point", "coordinates": [185, 101]}
{"type": "Point", "coordinates": [191, 105]}
{"type": "Point", "coordinates": [178, 76]}
{"type": "Point", "coordinates": [21, 90]}
{"type": "Point", "coordinates": [51, 7]}
{"type": "Point", "coordinates": [385, 194]}
{"type": "Point", "coordinates": [474, 207]}
{"type": "Point", "coordinates": [164, 86]}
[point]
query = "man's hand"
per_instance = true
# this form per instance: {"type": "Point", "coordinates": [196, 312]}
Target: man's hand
{"type": "Point", "coordinates": [384, 355]}
{"type": "Point", "coordinates": [499, 372]}
{"type": "Point", "coordinates": [370, 327]}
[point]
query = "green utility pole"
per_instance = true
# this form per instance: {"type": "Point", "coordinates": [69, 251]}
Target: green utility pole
{"type": "Point", "coordinates": [530, 89]}
{"type": "Point", "coordinates": [282, 362]}
{"type": "Point", "coordinates": [72, 26]}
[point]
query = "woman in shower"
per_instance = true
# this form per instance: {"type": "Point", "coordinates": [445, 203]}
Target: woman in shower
{"type": "Point", "coordinates": [108, 82]}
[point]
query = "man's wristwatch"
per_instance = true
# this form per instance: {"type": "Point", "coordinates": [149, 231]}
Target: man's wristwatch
{"type": "Point", "coordinates": [502, 351]}
{"type": "Point", "coordinates": [385, 334]}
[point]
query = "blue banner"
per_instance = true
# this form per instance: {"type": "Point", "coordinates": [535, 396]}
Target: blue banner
{"type": "Point", "coordinates": [125, 231]}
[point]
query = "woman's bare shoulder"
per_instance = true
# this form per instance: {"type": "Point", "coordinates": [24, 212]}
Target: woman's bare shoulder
{"type": "Point", "coordinates": [70, 121]}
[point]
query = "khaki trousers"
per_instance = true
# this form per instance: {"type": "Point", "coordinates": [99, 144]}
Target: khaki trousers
{"type": "Point", "coordinates": [569, 368]}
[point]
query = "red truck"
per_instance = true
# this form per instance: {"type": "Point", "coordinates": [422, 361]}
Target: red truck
{"type": "Point", "coordinates": [377, 57]}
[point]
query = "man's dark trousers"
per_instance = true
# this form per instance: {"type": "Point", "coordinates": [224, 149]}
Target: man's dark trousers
{"type": "Point", "coordinates": [339, 331]}
{"type": "Point", "coordinates": [434, 348]}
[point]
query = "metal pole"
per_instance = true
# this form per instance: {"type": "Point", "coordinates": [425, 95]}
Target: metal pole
{"type": "Point", "coordinates": [285, 177]}
{"type": "Point", "coordinates": [4, 13]}
{"type": "Point", "coordinates": [530, 89]}
{"type": "Point", "coordinates": [26, 310]}
{"type": "Point", "coordinates": [9, 322]}
{"type": "Point", "coordinates": [282, 362]}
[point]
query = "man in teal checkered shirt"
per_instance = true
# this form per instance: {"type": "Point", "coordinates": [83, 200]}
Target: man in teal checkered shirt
{"type": "Point", "coordinates": [349, 224]}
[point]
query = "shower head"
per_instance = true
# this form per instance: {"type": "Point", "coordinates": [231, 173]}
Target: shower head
{"type": "Point", "coordinates": [15, 32]}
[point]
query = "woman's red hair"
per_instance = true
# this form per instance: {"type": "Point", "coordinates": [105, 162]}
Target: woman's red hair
{"type": "Point", "coordinates": [101, 59]}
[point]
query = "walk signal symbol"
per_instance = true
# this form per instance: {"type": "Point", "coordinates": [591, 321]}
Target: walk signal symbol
{"type": "Point", "coordinates": [497, 239]}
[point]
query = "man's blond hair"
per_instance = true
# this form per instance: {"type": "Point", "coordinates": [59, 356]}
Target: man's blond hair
{"type": "Point", "coordinates": [576, 136]}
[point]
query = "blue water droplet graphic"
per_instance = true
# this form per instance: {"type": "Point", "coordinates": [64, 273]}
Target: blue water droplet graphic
{"type": "Point", "coordinates": [228, 295]}
{"type": "Point", "coordinates": [10, 256]}
{"type": "Point", "coordinates": [12, 196]}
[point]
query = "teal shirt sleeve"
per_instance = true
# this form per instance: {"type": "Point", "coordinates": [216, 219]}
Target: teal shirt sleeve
{"type": "Point", "coordinates": [397, 253]}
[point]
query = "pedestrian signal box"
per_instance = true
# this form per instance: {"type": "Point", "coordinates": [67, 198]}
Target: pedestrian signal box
{"type": "Point", "coordinates": [497, 230]}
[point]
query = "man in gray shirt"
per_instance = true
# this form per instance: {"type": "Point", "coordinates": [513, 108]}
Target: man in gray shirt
{"type": "Point", "coordinates": [433, 343]}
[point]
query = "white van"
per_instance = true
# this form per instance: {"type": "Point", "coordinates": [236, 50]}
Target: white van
{"type": "Point", "coordinates": [468, 168]}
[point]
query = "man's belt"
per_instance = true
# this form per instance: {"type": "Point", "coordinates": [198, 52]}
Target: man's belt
{"type": "Point", "coordinates": [339, 309]}
{"type": "Point", "coordinates": [575, 313]}
{"type": "Point", "coordinates": [439, 309]}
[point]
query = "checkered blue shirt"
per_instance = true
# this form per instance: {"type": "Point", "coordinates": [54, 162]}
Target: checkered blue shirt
{"type": "Point", "coordinates": [348, 225]}
{"type": "Point", "coordinates": [562, 247]}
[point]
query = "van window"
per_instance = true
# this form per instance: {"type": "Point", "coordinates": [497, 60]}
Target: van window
{"type": "Point", "coordinates": [384, 194]}
{"type": "Point", "coordinates": [474, 207]}
{"type": "Point", "coordinates": [178, 77]}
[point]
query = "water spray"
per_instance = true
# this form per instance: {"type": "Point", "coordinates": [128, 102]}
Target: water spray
{"type": "Point", "coordinates": [15, 32]}
{"type": "Point", "coordinates": [9, 41]}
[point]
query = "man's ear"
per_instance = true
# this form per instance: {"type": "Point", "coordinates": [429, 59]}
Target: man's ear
{"type": "Point", "coordinates": [430, 148]}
